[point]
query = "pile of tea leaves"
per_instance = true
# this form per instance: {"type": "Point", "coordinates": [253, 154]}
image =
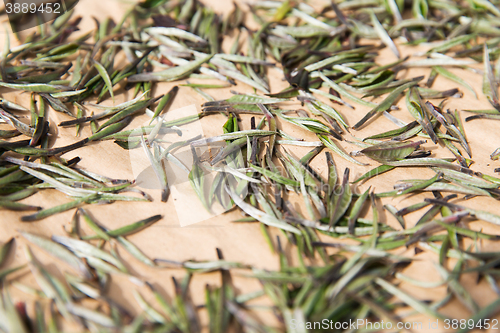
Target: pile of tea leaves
{"type": "Point", "coordinates": [328, 55]}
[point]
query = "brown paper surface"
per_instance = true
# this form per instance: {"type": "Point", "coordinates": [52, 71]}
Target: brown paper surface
{"type": "Point", "coordinates": [244, 242]}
